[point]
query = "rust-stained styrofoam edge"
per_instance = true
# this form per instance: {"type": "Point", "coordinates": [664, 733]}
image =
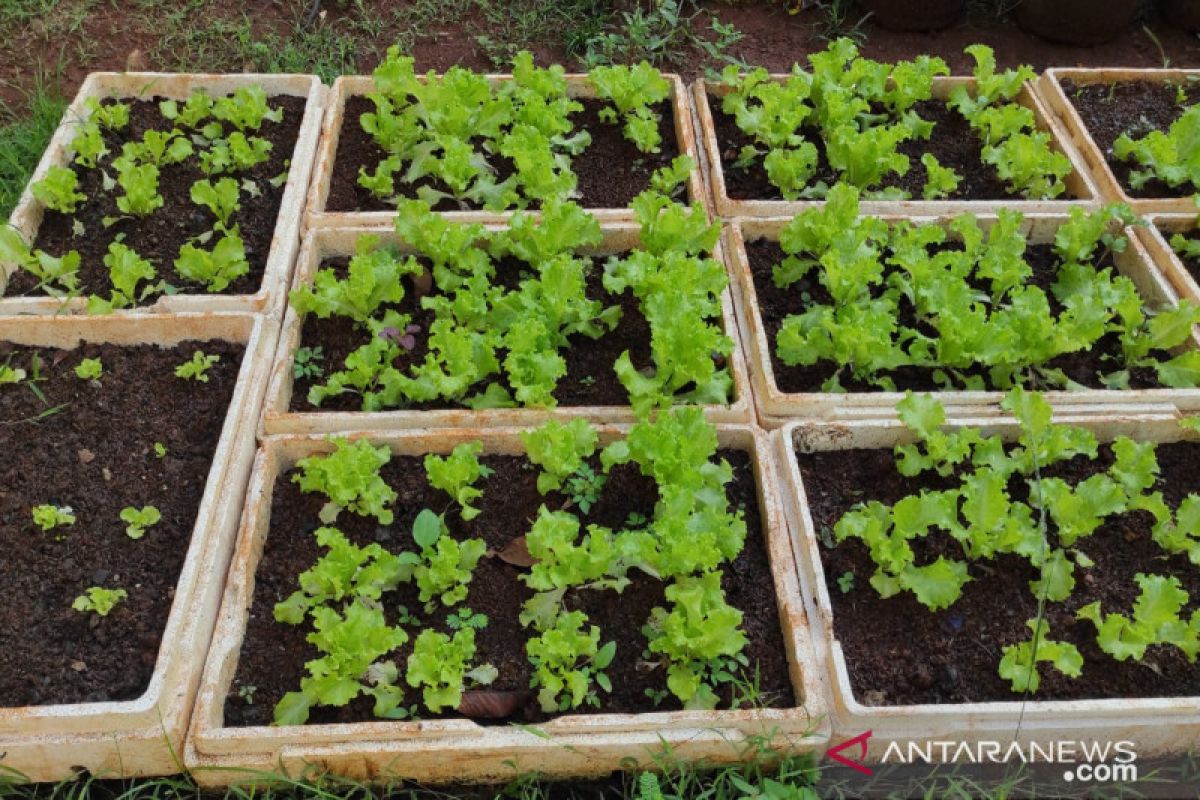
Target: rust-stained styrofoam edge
{"type": "Point", "coordinates": [145, 736]}
{"type": "Point", "coordinates": [577, 86]}
{"type": "Point", "coordinates": [1157, 725]}
{"type": "Point", "coordinates": [1049, 89]}
{"type": "Point", "coordinates": [774, 406]}
{"type": "Point", "coordinates": [425, 750]}
{"type": "Point", "coordinates": [1164, 256]}
{"type": "Point", "coordinates": [27, 216]}
{"type": "Point", "coordinates": [1079, 184]}
{"type": "Point", "coordinates": [323, 243]}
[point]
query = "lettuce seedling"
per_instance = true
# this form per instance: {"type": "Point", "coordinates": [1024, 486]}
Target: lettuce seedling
{"type": "Point", "coordinates": [1172, 157]}
{"type": "Point", "coordinates": [559, 449]}
{"type": "Point", "coordinates": [351, 646]}
{"type": "Point", "coordinates": [221, 198]}
{"type": "Point", "coordinates": [113, 116]}
{"type": "Point", "coordinates": [373, 279]}
{"type": "Point", "coordinates": [89, 369]}
{"type": "Point", "coordinates": [59, 190]}
{"type": "Point", "coordinates": [140, 184]}
{"type": "Point", "coordinates": [1019, 663]}
{"type": "Point", "coordinates": [455, 475]}
{"type": "Point", "coordinates": [349, 477]}
{"type": "Point", "coordinates": [192, 113]}
{"type": "Point", "coordinates": [138, 520]}
{"type": "Point", "coordinates": [345, 572]}
{"type": "Point", "coordinates": [567, 660]}
{"type": "Point", "coordinates": [700, 638]}
{"type": "Point", "coordinates": [1156, 621]}
{"type": "Point", "coordinates": [440, 666]}
{"type": "Point", "coordinates": [940, 182]}
{"type": "Point", "coordinates": [126, 269]}
{"type": "Point", "coordinates": [633, 91]}
{"type": "Point", "coordinates": [99, 600]}
{"type": "Point", "coordinates": [89, 146]}
{"type": "Point", "coordinates": [444, 574]}
{"type": "Point", "coordinates": [197, 368]}
{"type": "Point", "coordinates": [246, 108]}
{"type": "Point", "coordinates": [215, 269]}
{"type": "Point", "coordinates": [58, 277]}
{"type": "Point", "coordinates": [48, 517]}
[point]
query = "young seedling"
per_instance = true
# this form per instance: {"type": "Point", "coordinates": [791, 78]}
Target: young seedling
{"type": "Point", "coordinates": [307, 363]}
{"type": "Point", "coordinates": [160, 450]}
{"type": "Point", "coordinates": [197, 368]}
{"type": "Point", "coordinates": [89, 369]}
{"type": "Point", "coordinates": [440, 666]}
{"type": "Point", "coordinates": [99, 600]}
{"type": "Point", "coordinates": [58, 190]}
{"type": "Point", "coordinates": [444, 574]}
{"type": "Point", "coordinates": [466, 618]}
{"type": "Point", "coordinates": [349, 477]}
{"type": "Point", "coordinates": [48, 517]}
{"type": "Point", "coordinates": [138, 520]}
{"type": "Point", "coordinates": [456, 474]}
{"type": "Point", "coordinates": [584, 487]}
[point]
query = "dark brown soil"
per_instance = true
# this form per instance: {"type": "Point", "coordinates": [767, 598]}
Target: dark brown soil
{"type": "Point", "coordinates": [273, 655]}
{"type": "Point", "coordinates": [775, 305]}
{"type": "Point", "coordinates": [1136, 108]}
{"type": "Point", "coordinates": [899, 652]}
{"type": "Point", "coordinates": [96, 456]}
{"type": "Point", "coordinates": [590, 379]}
{"type": "Point", "coordinates": [159, 236]}
{"type": "Point", "coordinates": [1192, 264]}
{"type": "Point", "coordinates": [953, 143]}
{"type": "Point", "coordinates": [611, 170]}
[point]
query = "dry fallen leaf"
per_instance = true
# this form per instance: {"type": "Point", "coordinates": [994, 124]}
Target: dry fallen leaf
{"type": "Point", "coordinates": [516, 553]}
{"type": "Point", "coordinates": [489, 704]}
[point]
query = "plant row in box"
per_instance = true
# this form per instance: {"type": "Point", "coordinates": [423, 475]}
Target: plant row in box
{"type": "Point", "coordinates": [177, 192]}
{"type": "Point", "coordinates": [612, 590]}
{"type": "Point", "coordinates": [480, 145]}
{"type": "Point", "coordinates": [961, 571]}
{"type": "Point", "coordinates": [1136, 129]}
{"type": "Point", "coordinates": [906, 135]}
{"type": "Point", "coordinates": [551, 311]}
{"type": "Point", "coordinates": [843, 311]}
{"type": "Point", "coordinates": [1173, 241]}
{"type": "Point", "coordinates": [127, 446]}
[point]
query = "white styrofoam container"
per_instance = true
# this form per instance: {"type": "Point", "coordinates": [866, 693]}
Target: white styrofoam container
{"type": "Point", "coordinates": [320, 244]}
{"type": "Point", "coordinates": [1157, 726]}
{"type": "Point", "coordinates": [459, 750]}
{"type": "Point", "coordinates": [1081, 191]}
{"type": "Point", "coordinates": [27, 215]}
{"type": "Point", "coordinates": [775, 406]}
{"type": "Point", "coordinates": [1155, 237]}
{"type": "Point", "coordinates": [1049, 89]}
{"type": "Point", "coordinates": [144, 736]}
{"type": "Point", "coordinates": [577, 86]}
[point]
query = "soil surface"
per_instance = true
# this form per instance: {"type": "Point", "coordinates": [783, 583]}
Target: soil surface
{"type": "Point", "coordinates": [96, 455]}
{"type": "Point", "coordinates": [775, 305]}
{"type": "Point", "coordinates": [591, 379]}
{"type": "Point", "coordinates": [1135, 108]}
{"type": "Point", "coordinates": [952, 143]}
{"type": "Point", "coordinates": [611, 171]}
{"type": "Point", "coordinates": [273, 654]}
{"type": "Point", "coordinates": [899, 652]}
{"type": "Point", "coordinates": [159, 236]}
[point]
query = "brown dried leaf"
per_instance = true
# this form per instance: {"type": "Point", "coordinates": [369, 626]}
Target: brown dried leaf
{"type": "Point", "coordinates": [516, 553]}
{"type": "Point", "coordinates": [490, 704]}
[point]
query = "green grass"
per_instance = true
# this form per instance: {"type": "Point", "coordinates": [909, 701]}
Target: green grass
{"type": "Point", "coordinates": [23, 138]}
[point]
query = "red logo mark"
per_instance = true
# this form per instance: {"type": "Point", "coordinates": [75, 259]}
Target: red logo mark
{"type": "Point", "coordinates": [861, 740]}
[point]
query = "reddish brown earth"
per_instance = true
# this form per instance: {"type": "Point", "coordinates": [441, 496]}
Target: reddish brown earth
{"type": "Point", "coordinates": [66, 44]}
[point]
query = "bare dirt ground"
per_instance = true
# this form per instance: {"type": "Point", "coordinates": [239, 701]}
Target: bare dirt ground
{"type": "Point", "coordinates": [57, 42]}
